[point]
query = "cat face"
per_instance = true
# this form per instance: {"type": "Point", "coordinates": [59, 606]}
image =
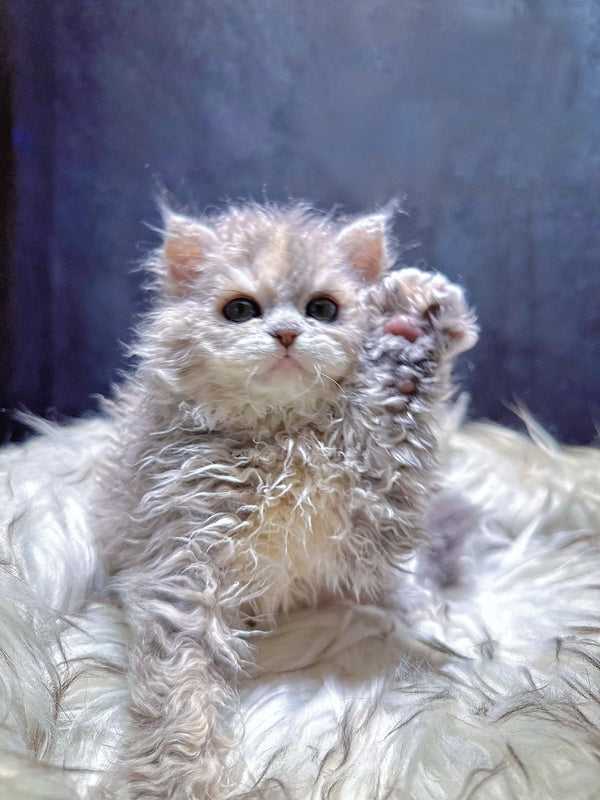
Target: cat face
{"type": "Point", "coordinates": [261, 311]}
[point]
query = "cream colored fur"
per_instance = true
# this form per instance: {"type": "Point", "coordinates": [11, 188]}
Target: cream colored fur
{"type": "Point", "coordinates": [266, 465]}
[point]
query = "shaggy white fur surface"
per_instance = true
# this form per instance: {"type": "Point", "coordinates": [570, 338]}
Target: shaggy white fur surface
{"type": "Point", "coordinates": [489, 688]}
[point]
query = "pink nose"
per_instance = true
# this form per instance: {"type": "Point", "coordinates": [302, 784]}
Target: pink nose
{"type": "Point", "coordinates": [285, 337]}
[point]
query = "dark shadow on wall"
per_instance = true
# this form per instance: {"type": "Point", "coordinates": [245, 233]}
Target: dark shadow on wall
{"type": "Point", "coordinates": [6, 207]}
{"type": "Point", "coordinates": [27, 123]}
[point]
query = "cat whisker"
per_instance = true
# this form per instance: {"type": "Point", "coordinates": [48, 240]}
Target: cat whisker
{"type": "Point", "coordinates": [322, 375]}
{"type": "Point", "coordinates": [310, 387]}
{"type": "Point", "coordinates": [248, 387]}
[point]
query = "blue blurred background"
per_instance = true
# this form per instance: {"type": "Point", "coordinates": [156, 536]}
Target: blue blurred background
{"type": "Point", "coordinates": [482, 114]}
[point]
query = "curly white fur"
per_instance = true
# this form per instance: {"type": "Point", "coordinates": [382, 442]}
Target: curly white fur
{"type": "Point", "coordinates": [266, 466]}
{"type": "Point", "coordinates": [483, 686]}
{"type": "Point", "coordinates": [490, 693]}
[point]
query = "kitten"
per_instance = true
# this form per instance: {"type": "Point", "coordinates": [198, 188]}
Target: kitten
{"type": "Point", "coordinates": [274, 449]}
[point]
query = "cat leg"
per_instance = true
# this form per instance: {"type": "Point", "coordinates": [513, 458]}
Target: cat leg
{"type": "Point", "coordinates": [416, 323]}
{"type": "Point", "coordinates": [183, 673]}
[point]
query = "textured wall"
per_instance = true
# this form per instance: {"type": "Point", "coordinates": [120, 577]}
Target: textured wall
{"type": "Point", "coordinates": [483, 113]}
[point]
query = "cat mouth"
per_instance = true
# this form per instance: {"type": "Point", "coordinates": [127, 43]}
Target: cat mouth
{"type": "Point", "coordinates": [285, 364]}
{"type": "Point", "coordinates": [288, 361]}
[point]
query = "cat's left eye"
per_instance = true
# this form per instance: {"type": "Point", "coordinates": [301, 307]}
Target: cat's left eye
{"type": "Point", "coordinates": [323, 309]}
{"type": "Point", "coordinates": [241, 309]}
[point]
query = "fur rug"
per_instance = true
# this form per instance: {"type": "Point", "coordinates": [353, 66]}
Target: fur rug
{"type": "Point", "coordinates": [488, 686]}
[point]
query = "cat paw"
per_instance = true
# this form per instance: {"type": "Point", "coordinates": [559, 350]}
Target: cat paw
{"type": "Point", "coordinates": [414, 304]}
{"type": "Point", "coordinates": [419, 320]}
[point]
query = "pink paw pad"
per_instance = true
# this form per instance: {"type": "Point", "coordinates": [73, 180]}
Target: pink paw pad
{"type": "Point", "coordinates": [407, 387]}
{"type": "Point", "coordinates": [403, 325]}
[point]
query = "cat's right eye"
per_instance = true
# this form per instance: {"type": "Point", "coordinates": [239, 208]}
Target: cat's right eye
{"type": "Point", "coordinates": [241, 309]}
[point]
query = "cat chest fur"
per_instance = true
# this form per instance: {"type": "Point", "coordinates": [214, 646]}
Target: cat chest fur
{"type": "Point", "coordinates": [296, 542]}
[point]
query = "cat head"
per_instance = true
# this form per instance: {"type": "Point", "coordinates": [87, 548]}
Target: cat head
{"type": "Point", "coordinates": [259, 308]}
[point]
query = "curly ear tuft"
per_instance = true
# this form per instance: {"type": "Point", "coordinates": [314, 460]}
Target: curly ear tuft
{"type": "Point", "coordinates": [185, 246]}
{"type": "Point", "coordinates": [365, 244]}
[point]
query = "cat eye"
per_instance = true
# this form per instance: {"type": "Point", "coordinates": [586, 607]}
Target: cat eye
{"type": "Point", "coordinates": [323, 309]}
{"type": "Point", "coordinates": [241, 309]}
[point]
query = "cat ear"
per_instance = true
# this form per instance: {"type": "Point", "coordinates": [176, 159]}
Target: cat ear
{"type": "Point", "coordinates": [364, 243]}
{"type": "Point", "coordinates": [186, 244]}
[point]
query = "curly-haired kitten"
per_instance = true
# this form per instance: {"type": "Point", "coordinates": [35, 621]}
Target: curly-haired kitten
{"type": "Point", "coordinates": [274, 449]}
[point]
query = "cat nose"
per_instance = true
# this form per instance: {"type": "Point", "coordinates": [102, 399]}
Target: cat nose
{"type": "Point", "coordinates": [285, 337]}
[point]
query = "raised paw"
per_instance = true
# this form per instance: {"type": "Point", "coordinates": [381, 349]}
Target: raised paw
{"type": "Point", "coordinates": [416, 304]}
{"type": "Point", "coordinates": [419, 322]}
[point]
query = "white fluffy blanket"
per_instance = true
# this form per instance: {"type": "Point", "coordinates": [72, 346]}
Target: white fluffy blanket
{"type": "Point", "coordinates": [489, 687]}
